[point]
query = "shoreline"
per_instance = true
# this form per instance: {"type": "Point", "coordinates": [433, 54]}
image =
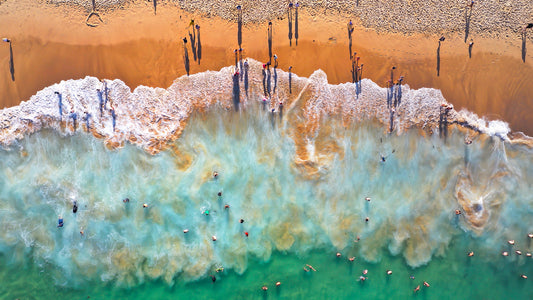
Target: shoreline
{"type": "Point", "coordinates": [153, 56]}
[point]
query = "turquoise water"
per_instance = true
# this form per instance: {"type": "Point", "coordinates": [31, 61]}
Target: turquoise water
{"type": "Point", "coordinates": [293, 218]}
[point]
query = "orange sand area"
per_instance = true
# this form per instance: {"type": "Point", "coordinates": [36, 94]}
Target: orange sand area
{"type": "Point", "coordinates": [52, 43]}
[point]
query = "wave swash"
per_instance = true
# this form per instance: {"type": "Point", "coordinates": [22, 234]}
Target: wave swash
{"type": "Point", "coordinates": [297, 174]}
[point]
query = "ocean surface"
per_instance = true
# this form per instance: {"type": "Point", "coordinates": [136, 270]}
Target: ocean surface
{"type": "Point", "coordinates": [294, 213]}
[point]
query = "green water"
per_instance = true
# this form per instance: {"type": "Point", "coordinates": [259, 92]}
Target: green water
{"type": "Point", "coordinates": [128, 252]}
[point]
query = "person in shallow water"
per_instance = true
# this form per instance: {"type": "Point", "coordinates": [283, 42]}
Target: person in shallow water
{"type": "Point", "coordinates": [60, 222]}
{"type": "Point", "coordinates": [75, 206]}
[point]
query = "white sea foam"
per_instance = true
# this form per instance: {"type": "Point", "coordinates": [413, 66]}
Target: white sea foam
{"type": "Point", "coordinates": [151, 117]}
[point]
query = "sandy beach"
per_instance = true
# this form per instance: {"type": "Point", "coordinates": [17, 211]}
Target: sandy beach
{"type": "Point", "coordinates": [142, 48]}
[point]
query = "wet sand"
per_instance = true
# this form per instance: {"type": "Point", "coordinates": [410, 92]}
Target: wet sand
{"type": "Point", "coordinates": [494, 82]}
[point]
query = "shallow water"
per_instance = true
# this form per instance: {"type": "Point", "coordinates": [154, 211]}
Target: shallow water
{"type": "Point", "coordinates": [293, 217]}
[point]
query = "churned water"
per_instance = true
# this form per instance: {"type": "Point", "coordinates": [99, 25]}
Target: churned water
{"type": "Point", "coordinates": [292, 214]}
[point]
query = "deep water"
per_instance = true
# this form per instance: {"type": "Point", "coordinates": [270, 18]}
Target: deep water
{"type": "Point", "coordinates": [295, 213]}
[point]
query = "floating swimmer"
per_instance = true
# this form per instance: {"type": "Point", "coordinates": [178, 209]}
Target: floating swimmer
{"type": "Point", "coordinates": [389, 272]}
{"type": "Point", "coordinates": [471, 253]}
{"type": "Point", "coordinates": [278, 283]}
{"type": "Point", "coordinates": [426, 284]}
{"type": "Point", "coordinates": [264, 288]}
{"type": "Point", "coordinates": [145, 205]}
{"type": "Point", "coordinates": [185, 230]}
{"type": "Point", "coordinates": [214, 238]}
{"type": "Point", "coordinates": [505, 253]}
{"type": "Point", "coordinates": [511, 242]}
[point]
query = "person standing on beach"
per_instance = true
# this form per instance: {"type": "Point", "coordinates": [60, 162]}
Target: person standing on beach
{"type": "Point", "coordinates": [350, 31]}
{"type": "Point", "coordinates": [199, 46]}
{"type": "Point", "coordinates": [269, 42]}
{"type": "Point", "coordinates": [275, 73]}
{"type": "Point", "coordinates": [290, 80]}
{"type": "Point", "coordinates": [264, 80]}
{"type": "Point", "coordinates": [101, 101]}
{"type": "Point", "coordinates": [186, 55]}
{"type": "Point", "coordinates": [296, 22]}
{"type": "Point", "coordinates": [442, 38]}
{"type": "Point", "coordinates": [289, 15]}
{"type": "Point", "coordinates": [11, 63]}
{"type": "Point", "coordinates": [60, 104]}
{"type": "Point", "coordinates": [470, 45]}
{"type": "Point", "coordinates": [236, 60]}
{"type": "Point", "coordinates": [269, 83]}
{"type": "Point", "coordinates": [155, 7]}
{"type": "Point", "coordinates": [236, 90]}
{"type": "Point", "coordinates": [241, 64]}
{"type": "Point", "coordinates": [192, 37]}
{"type": "Point", "coordinates": [246, 67]}
{"type": "Point", "coordinates": [105, 92]}
{"type": "Point", "coordinates": [113, 116]}
{"type": "Point", "coordinates": [239, 26]}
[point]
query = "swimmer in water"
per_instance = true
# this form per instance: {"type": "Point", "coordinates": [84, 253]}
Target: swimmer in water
{"type": "Point", "coordinates": [523, 276]}
{"type": "Point", "coordinates": [305, 269]}
{"type": "Point", "coordinates": [351, 258]}
{"type": "Point", "coordinates": [338, 254]}
{"type": "Point", "coordinates": [471, 253]}
{"type": "Point", "coordinates": [226, 206]}
{"type": "Point", "coordinates": [389, 272]}
{"type": "Point", "coordinates": [219, 194]}
{"type": "Point", "coordinates": [60, 222]}
{"type": "Point", "coordinates": [241, 221]}
{"type": "Point", "coordinates": [311, 267]}
{"type": "Point", "coordinates": [81, 232]}
{"type": "Point", "coordinates": [75, 206]}
{"type": "Point", "coordinates": [145, 205]}
{"type": "Point", "coordinates": [362, 278]}
{"type": "Point", "coordinates": [215, 174]}
{"type": "Point", "coordinates": [511, 242]}
{"type": "Point", "coordinates": [213, 278]}
{"type": "Point", "coordinates": [126, 200]}
{"type": "Point", "coordinates": [505, 253]}
{"type": "Point", "coordinates": [457, 212]}
{"type": "Point", "coordinates": [365, 272]}
{"type": "Point", "coordinates": [426, 284]}
{"type": "Point", "coordinates": [367, 199]}
{"type": "Point", "coordinates": [185, 230]}
{"type": "Point", "coordinates": [214, 238]}
{"type": "Point", "coordinates": [417, 288]}
{"type": "Point", "coordinates": [264, 288]}
{"type": "Point", "coordinates": [278, 283]}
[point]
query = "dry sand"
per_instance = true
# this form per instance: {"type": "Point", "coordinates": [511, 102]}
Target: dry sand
{"type": "Point", "coordinates": [52, 43]}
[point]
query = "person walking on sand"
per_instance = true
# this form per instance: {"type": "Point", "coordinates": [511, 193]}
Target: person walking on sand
{"type": "Point", "coordinates": [11, 63]}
